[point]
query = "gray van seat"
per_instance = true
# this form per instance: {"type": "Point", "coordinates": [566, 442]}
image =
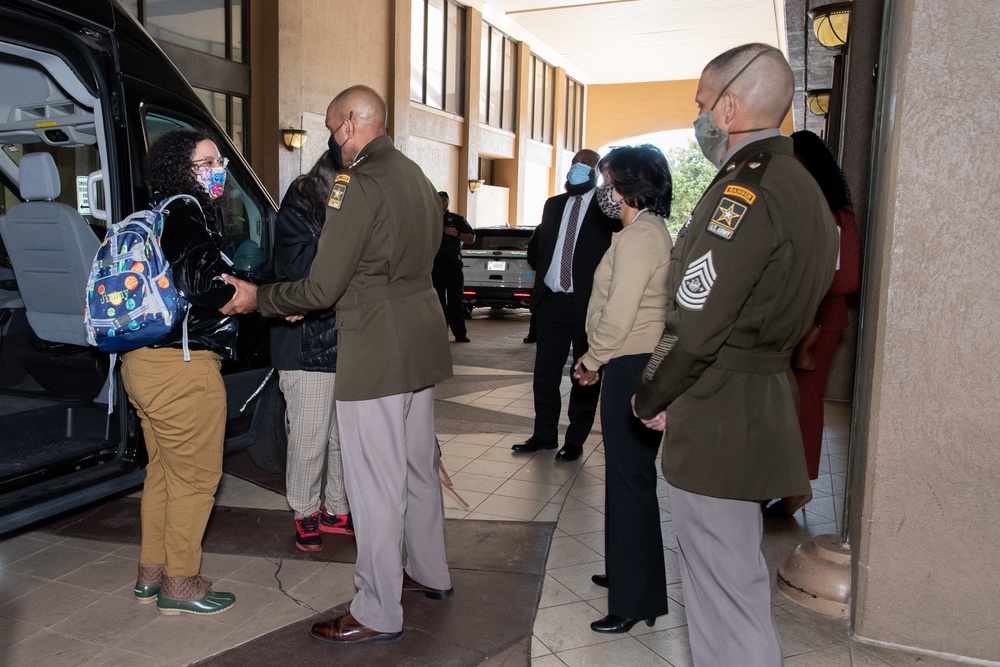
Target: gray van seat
{"type": "Point", "coordinates": [51, 249]}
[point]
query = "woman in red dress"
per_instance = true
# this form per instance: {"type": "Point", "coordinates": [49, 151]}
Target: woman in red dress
{"type": "Point", "coordinates": [831, 318]}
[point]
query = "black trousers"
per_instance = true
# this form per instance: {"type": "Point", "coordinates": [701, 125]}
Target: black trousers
{"type": "Point", "coordinates": [633, 545]}
{"type": "Point", "coordinates": [560, 323]}
{"type": "Point", "coordinates": [448, 281]}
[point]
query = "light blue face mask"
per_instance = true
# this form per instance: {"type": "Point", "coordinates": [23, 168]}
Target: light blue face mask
{"type": "Point", "coordinates": [579, 173]}
{"type": "Point", "coordinates": [711, 138]}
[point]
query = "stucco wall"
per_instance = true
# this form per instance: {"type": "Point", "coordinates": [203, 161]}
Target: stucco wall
{"type": "Point", "coordinates": [925, 529]}
{"type": "Point", "coordinates": [324, 47]}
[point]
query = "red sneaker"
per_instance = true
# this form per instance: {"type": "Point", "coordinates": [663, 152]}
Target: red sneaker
{"type": "Point", "coordinates": [307, 537]}
{"type": "Point", "coordinates": [336, 523]}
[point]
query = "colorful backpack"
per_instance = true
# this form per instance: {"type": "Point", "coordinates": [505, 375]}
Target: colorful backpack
{"type": "Point", "coordinates": [132, 301]}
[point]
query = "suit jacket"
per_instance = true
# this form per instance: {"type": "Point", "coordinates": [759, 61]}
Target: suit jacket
{"type": "Point", "coordinates": [591, 244]}
{"type": "Point", "coordinates": [746, 276]}
{"type": "Point", "coordinates": [373, 262]}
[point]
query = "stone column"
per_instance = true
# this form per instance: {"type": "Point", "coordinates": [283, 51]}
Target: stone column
{"type": "Point", "coordinates": [924, 526]}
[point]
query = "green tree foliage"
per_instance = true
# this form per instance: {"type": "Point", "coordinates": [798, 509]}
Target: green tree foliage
{"type": "Point", "coordinates": [691, 173]}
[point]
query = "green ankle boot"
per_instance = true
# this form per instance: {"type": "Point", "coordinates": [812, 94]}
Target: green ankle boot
{"type": "Point", "coordinates": [192, 595]}
{"type": "Point", "coordinates": [147, 585]}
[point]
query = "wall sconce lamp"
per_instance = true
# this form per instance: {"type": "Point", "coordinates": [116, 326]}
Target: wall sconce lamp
{"type": "Point", "coordinates": [475, 184]}
{"type": "Point", "coordinates": [819, 101]}
{"type": "Point", "coordinates": [830, 24]}
{"type": "Point", "coordinates": [294, 138]}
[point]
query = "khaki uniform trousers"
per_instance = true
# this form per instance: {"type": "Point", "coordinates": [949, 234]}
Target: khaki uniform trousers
{"type": "Point", "coordinates": [391, 470]}
{"type": "Point", "coordinates": [182, 407]}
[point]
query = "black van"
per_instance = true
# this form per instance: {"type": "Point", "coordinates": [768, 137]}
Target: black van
{"type": "Point", "coordinates": [83, 81]}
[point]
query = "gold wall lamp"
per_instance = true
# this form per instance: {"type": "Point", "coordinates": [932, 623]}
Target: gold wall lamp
{"type": "Point", "coordinates": [475, 184]}
{"type": "Point", "coordinates": [294, 137]}
{"type": "Point", "coordinates": [830, 23]}
{"type": "Point", "coordinates": [819, 101]}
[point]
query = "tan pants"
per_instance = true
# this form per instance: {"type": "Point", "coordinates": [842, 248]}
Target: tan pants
{"type": "Point", "coordinates": [182, 406]}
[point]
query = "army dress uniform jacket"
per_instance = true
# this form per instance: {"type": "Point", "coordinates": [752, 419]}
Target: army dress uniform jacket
{"type": "Point", "coordinates": [373, 262]}
{"type": "Point", "coordinates": [748, 272]}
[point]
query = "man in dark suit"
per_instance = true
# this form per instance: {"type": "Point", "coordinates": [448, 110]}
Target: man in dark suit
{"type": "Point", "coordinates": [564, 251]}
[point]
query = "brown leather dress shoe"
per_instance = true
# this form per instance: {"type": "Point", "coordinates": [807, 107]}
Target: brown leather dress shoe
{"type": "Point", "coordinates": [345, 629]}
{"type": "Point", "coordinates": [409, 584]}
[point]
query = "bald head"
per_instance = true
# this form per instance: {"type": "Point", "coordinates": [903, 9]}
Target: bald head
{"type": "Point", "coordinates": [760, 86]}
{"type": "Point", "coordinates": [588, 157]}
{"type": "Point", "coordinates": [355, 117]}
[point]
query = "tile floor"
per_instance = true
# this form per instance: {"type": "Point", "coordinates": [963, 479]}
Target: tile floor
{"type": "Point", "coordinates": [68, 601]}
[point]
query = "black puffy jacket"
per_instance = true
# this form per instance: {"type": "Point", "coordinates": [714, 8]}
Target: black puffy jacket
{"type": "Point", "coordinates": [309, 344]}
{"type": "Point", "coordinates": [194, 251]}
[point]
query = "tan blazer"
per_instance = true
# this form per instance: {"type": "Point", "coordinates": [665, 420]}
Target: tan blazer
{"type": "Point", "coordinates": [629, 302]}
{"type": "Point", "coordinates": [746, 276]}
{"type": "Point", "coordinates": [373, 262]}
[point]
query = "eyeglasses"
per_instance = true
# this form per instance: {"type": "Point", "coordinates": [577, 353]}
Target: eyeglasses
{"type": "Point", "coordinates": [211, 162]}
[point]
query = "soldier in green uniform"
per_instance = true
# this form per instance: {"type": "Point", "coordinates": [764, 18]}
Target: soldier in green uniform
{"type": "Point", "coordinates": [748, 271]}
{"type": "Point", "coordinates": [373, 262]}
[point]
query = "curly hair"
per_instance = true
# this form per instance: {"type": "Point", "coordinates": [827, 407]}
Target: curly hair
{"type": "Point", "coordinates": [168, 166]}
{"type": "Point", "coordinates": [641, 176]}
{"type": "Point", "coordinates": [314, 186]}
{"type": "Point", "coordinates": [820, 163]}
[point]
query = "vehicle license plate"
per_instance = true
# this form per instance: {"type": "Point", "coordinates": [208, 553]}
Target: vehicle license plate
{"type": "Point", "coordinates": [496, 266]}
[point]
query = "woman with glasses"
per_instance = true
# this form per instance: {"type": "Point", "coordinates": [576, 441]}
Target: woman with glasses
{"type": "Point", "coordinates": [625, 319]}
{"type": "Point", "coordinates": [176, 385]}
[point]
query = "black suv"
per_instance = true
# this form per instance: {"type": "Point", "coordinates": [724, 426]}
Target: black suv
{"type": "Point", "coordinates": [85, 83]}
{"type": "Point", "coordinates": [495, 267]}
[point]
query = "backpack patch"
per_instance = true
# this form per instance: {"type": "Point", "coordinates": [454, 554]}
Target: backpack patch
{"type": "Point", "coordinates": [132, 301]}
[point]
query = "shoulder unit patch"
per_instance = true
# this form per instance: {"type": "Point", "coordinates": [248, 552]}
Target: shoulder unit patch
{"type": "Point", "coordinates": [728, 215]}
{"type": "Point", "coordinates": [339, 191]}
{"type": "Point", "coordinates": [696, 284]}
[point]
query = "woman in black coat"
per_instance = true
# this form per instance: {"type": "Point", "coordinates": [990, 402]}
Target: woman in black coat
{"type": "Point", "coordinates": [305, 356]}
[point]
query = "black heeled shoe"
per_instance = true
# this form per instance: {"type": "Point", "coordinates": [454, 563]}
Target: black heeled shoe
{"type": "Point", "coordinates": [600, 580]}
{"type": "Point", "coordinates": [612, 624]}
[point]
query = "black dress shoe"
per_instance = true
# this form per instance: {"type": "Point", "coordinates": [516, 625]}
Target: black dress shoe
{"type": "Point", "coordinates": [462, 339]}
{"type": "Point", "coordinates": [533, 445]}
{"type": "Point", "coordinates": [616, 625]}
{"type": "Point", "coordinates": [529, 339]}
{"type": "Point", "coordinates": [570, 453]}
{"type": "Point", "coordinates": [411, 584]}
{"type": "Point", "coordinates": [600, 579]}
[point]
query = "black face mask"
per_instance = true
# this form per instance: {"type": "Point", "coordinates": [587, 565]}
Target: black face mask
{"type": "Point", "coordinates": [336, 153]}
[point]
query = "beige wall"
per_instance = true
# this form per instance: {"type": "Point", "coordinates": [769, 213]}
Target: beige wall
{"type": "Point", "coordinates": [319, 53]}
{"type": "Point", "coordinates": [924, 517]}
{"type": "Point", "coordinates": [620, 111]}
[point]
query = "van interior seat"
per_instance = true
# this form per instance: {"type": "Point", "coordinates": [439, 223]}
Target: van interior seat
{"type": "Point", "coordinates": [51, 249]}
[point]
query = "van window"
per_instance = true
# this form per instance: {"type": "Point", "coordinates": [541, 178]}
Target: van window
{"type": "Point", "coordinates": [244, 230]}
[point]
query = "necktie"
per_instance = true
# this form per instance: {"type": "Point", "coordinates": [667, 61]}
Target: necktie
{"type": "Point", "coordinates": [566, 265]}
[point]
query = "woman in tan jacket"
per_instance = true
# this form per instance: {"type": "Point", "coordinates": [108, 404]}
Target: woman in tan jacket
{"type": "Point", "coordinates": [625, 320]}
